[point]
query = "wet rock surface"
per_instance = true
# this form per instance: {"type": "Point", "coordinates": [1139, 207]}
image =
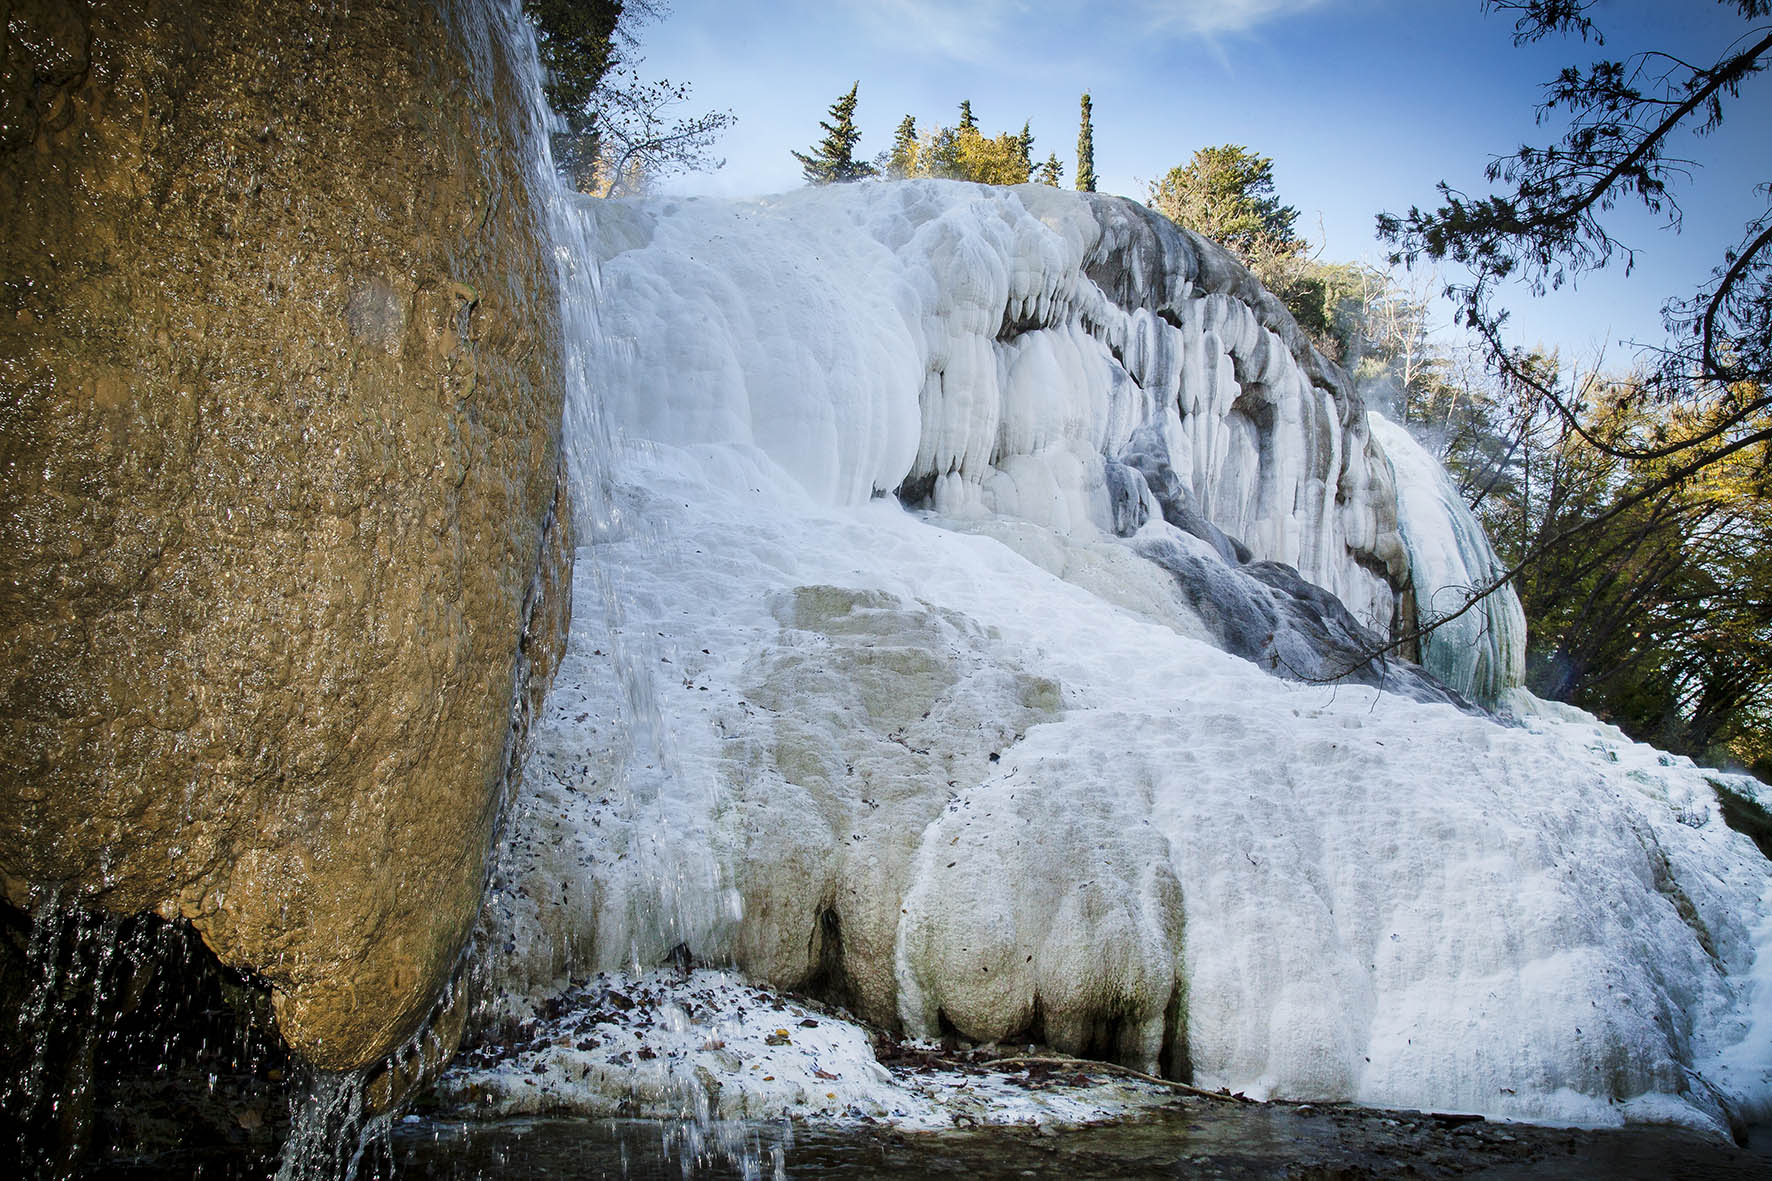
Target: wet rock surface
{"type": "Point", "coordinates": [281, 521]}
{"type": "Point", "coordinates": [1267, 614]}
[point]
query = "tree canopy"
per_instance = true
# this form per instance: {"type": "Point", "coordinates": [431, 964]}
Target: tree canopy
{"type": "Point", "coordinates": [833, 160]}
{"type": "Point", "coordinates": [621, 130]}
{"type": "Point", "coordinates": [1623, 121]}
{"type": "Point", "coordinates": [576, 41]}
{"type": "Point", "coordinates": [901, 161]}
{"type": "Point", "coordinates": [961, 152]}
{"type": "Point", "coordinates": [1656, 613]}
{"type": "Point", "coordinates": [1227, 194]}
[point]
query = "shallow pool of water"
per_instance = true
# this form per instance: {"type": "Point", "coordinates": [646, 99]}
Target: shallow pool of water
{"type": "Point", "coordinates": [1196, 1139]}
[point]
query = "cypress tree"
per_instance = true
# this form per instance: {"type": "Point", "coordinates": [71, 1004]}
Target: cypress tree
{"type": "Point", "coordinates": [1086, 151]}
{"type": "Point", "coordinates": [833, 160]}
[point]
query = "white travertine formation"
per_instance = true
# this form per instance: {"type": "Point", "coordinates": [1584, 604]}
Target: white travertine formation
{"type": "Point", "coordinates": [994, 351]}
{"type": "Point", "coordinates": [974, 780]}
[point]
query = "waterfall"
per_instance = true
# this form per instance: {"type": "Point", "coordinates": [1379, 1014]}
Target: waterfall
{"type": "Point", "coordinates": [1484, 650]}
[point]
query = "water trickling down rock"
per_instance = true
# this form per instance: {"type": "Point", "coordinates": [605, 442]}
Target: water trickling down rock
{"type": "Point", "coordinates": [282, 516]}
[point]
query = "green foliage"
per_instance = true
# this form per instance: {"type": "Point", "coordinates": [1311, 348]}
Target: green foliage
{"type": "Point", "coordinates": [961, 152]}
{"type": "Point", "coordinates": [1051, 172]}
{"type": "Point", "coordinates": [622, 131]}
{"type": "Point", "coordinates": [1658, 613]}
{"type": "Point", "coordinates": [938, 154]}
{"type": "Point", "coordinates": [1086, 148]}
{"type": "Point", "coordinates": [1647, 587]}
{"type": "Point", "coordinates": [575, 40]}
{"type": "Point", "coordinates": [901, 162]}
{"type": "Point", "coordinates": [1227, 194]}
{"type": "Point", "coordinates": [1324, 297]}
{"type": "Point", "coordinates": [996, 161]}
{"type": "Point", "coordinates": [833, 160]}
{"type": "Point", "coordinates": [957, 153]}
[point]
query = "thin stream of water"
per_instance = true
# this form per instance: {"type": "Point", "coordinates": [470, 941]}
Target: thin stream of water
{"type": "Point", "coordinates": [329, 1129]}
{"type": "Point", "coordinates": [329, 1120]}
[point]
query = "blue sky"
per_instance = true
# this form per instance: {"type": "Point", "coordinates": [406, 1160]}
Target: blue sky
{"type": "Point", "coordinates": [1362, 104]}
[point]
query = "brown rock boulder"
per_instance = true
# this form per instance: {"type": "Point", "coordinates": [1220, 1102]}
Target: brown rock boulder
{"type": "Point", "coordinates": [282, 528]}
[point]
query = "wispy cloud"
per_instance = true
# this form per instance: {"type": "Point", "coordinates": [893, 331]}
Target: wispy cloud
{"type": "Point", "coordinates": [1211, 18]}
{"type": "Point", "coordinates": [964, 30]}
{"type": "Point", "coordinates": [977, 31]}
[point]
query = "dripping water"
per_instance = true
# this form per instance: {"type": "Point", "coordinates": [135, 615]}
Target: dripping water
{"type": "Point", "coordinates": [635, 758]}
{"type": "Point", "coordinates": [117, 1022]}
{"type": "Point", "coordinates": [330, 1127]}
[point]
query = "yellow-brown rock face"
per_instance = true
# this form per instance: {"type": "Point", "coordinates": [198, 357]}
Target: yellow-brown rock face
{"type": "Point", "coordinates": [279, 481]}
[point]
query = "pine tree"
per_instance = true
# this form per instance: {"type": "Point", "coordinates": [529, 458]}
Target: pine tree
{"type": "Point", "coordinates": [967, 122]}
{"type": "Point", "coordinates": [1086, 151]}
{"type": "Point", "coordinates": [1051, 172]}
{"type": "Point", "coordinates": [833, 160]}
{"type": "Point", "coordinates": [1227, 194]}
{"type": "Point", "coordinates": [1026, 143]}
{"type": "Point", "coordinates": [903, 160]}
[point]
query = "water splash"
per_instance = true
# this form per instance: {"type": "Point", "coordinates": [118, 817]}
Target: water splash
{"type": "Point", "coordinates": [329, 1129]}
{"type": "Point", "coordinates": [83, 966]}
{"type": "Point", "coordinates": [117, 1016]}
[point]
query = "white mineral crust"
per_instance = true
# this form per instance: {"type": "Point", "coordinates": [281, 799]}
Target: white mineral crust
{"type": "Point", "coordinates": [990, 780]}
